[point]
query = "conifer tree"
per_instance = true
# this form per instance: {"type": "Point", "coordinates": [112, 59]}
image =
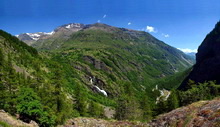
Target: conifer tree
{"type": "Point", "coordinates": [96, 110]}
{"type": "Point", "coordinates": [121, 109]}
{"type": "Point", "coordinates": [146, 107]}
{"type": "Point", "coordinates": [29, 106]}
{"type": "Point", "coordinates": [81, 101]}
{"type": "Point", "coordinates": [161, 106]}
{"type": "Point", "coordinates": [2, 86]}
{"type": "Point", "coordinates": [1, 58]}
{"type": "Point", "coordinates": [173, 101]}
{"type": "Point", "coordinates": [127, 106]}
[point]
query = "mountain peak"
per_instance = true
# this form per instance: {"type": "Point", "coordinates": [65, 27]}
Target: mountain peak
{"type": "Point", "coordinates": [29, 38]}
{"type": "Point", "coordinates": [71, 26]}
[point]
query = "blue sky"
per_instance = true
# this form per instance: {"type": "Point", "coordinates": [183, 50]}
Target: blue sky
{"type": "Point", "coordinates": [179, 23]}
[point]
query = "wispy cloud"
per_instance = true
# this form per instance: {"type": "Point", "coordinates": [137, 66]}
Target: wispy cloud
{"type": "Point", "coordinates": [99, 21]}
{"type": "Point", "coordinates": [129, 23]}
{"type": "Point", "coordinates": [165, 35]}
{"type": "Point", "coordinates": [186, 50]}
{"type": "Point", "coordinates": [104, 16]}
{"type": "Point", "coordinates": [151, 29]}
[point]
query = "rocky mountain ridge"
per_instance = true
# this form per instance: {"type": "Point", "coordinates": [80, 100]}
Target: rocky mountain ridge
{"type": "Point", "coordinates": [31, 38]}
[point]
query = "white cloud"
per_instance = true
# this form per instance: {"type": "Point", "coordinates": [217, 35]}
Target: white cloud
{"type": "Point", "coordinates": [165, 35]}
{"type": "Point", "coordinates": [129, 23]}
{"type": "Point", "coordinates": [186, 50]}
{"type": "Point", "coordinates": [150, 29]}
{"type": "Point", "coordinates": [99, 21]}
{"type": "Point", "coordinates": [104, 16]}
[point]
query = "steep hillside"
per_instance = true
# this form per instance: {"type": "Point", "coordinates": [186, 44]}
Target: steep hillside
{"type": "Point", "coordinates": [198, 114]}
{"type": "Point", "coordinates": [207, 65]}
{"type": "Point", "coordinates": [31, 85]}
{"type": "Point", "coordinates": [112, 54]}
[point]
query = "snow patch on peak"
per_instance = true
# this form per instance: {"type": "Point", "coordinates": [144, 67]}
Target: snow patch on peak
{"type": "Point", "coordinates": [37, 36]}
{"type": "Point", "coordinates": [50, 33]}
{"type": "Point", "coordinates": [34, 36]}
{"type": "Point", "coordinates": [76, 25]}
{"type": "Point", "coordinates": [68, 26]}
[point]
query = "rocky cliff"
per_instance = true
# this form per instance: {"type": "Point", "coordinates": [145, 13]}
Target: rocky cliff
{"type": "Point", "coordinates": [207, 65]}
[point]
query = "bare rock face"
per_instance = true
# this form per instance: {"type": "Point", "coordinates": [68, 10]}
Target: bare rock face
{"type": "Point", "coordinates": [207, 65]}
{"type": "Point", "coordinates": [199, 114]}
{"type": "Point", "coordinates": [96, 63]}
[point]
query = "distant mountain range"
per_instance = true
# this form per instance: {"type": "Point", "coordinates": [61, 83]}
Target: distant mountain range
{"type": "Point", "coordinates": [192, 54]}
{"type": "Point", "coordinates": [189, 52]}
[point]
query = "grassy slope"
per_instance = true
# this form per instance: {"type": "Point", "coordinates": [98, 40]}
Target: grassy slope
{"type": "Point", "coordinates": [140, 60]}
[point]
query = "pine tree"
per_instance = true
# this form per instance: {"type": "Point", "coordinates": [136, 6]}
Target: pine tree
{"type": "Point", "coordinates": [2, 86]}
{"type": "Point", "coordinates": [95, 110]}
{"type": "Point", "coordinates": [11, 86]}
{"type": "Point", "coordinates": [161, 106]}
{"type": "Point", "coordinates": [121, 109]}
{"type": "Point", "coordinates": [81, 101]}
{"type": "Point", "coordinates": [29, 106]}
{"type": "Point", "coordinates": [173, 101]}
{"type": "Point", "coordinates": [62, 109]}
{"type": "Point", "coordinates": [1, 58]}
{"type": "Point", "coordinates": [146, 108]}
{"type": "Point", "coordinates": [127, 106]}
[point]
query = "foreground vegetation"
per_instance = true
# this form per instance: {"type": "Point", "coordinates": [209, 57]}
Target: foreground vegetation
{"type": "Point", "coordinates": [196, 92]}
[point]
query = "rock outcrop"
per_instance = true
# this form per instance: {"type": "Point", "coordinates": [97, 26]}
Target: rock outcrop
{"type": "Point", "coordinates": [207, 65]}
{"type": "Point", "coordinates": [199, 114]}
{"type": "Point", "coordinates": [10, 121]}
{"type": "Point", "coordinates": [96, 63]}
{"type": "Point", "coordinates": [91, 122]}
